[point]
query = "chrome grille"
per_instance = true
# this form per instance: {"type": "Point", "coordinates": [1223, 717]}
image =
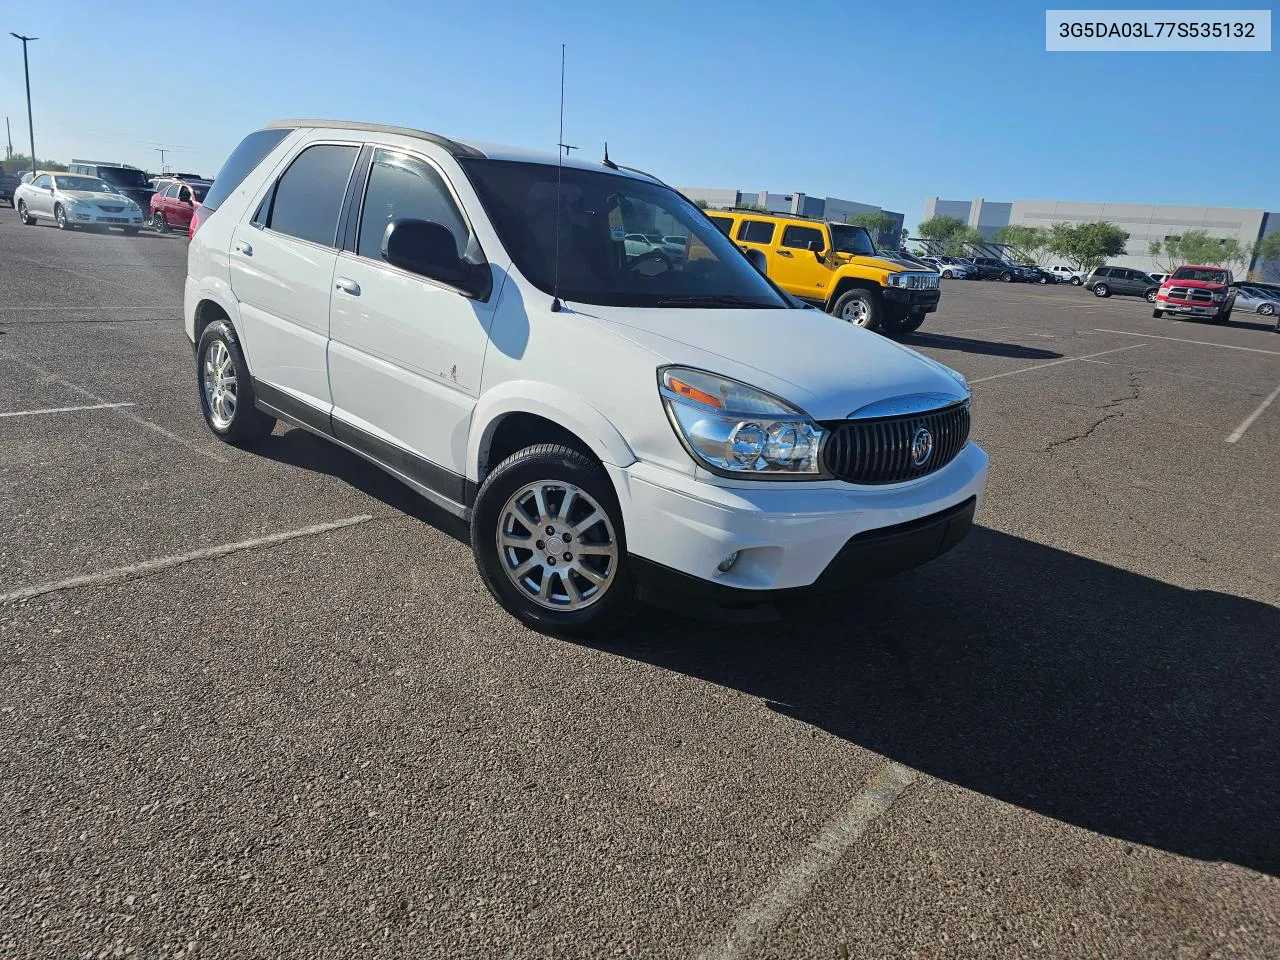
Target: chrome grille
{"type": "Point", "coordinates": [922, 281]}
{"type": "Point", "coordinates": [1194, 294]}
{"type": "Point", "coordinates": [109, 209]}
{"type": "Point", "coordinates": [879, 451]}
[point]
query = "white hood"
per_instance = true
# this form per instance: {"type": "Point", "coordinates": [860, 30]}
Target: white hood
{"type": "Point", "coordinates": [825, 366]}
{"type": "Point", "coordinates": [93, 196]}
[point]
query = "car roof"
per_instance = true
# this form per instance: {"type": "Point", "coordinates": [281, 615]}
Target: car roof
{"type": "Point", "coordinates": [780, 217]}
{"type": "Point", "coordinates": [475, 150]}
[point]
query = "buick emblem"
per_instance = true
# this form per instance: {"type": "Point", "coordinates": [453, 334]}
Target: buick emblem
{"type": "Point", "coordinates": [921, 447]}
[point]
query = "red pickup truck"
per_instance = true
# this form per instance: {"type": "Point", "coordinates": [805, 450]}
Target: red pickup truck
{"type": "Point", "coordinates": [1196, 292]}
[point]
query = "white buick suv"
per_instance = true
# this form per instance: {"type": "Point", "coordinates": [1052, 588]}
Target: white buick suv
{"type": "Point", "coordinates": [611, 422]}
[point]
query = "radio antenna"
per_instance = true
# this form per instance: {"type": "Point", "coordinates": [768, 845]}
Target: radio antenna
{"type": "Point", "coordinates": [562, 149]}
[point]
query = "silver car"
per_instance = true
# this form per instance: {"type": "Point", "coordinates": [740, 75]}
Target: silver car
{"type": "Point", "coordinates": [1261, 300]}
{"type": "Point", "coordinates": [74, 200]}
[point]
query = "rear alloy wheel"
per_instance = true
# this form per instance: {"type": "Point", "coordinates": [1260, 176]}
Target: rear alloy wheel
{"type": "Point", "coordinates": [946, 274]}
{"type": "Point", "coordinates": [1075, 281]}
{"type": "Point", "coordinates": [1007, 277]}
{"type": "Point", "coordinates": [1267, 310]}
{"type": "Point", "coordinates": [60, 217]}
{"type": "Point", "coordinates": [1102, 290]}
{"type": "Point", "coordinates": [226, 389]}
{"type": "Point", "coordinates": [160, 224]}
{"type": "Point", "coordinates": [24, 215]}
{"type": "Point", "coordinates": [862, 308]}
{"type": "Point", "coordinates": [548, 540]}
{"type": "Point", "coordinates": [1151, 296]}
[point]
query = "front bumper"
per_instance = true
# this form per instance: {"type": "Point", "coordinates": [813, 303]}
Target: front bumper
{"type": "Point", "coordinates": [1190, 309]}
{"type": "Point", "coordinates": [793, 536]}
{"type": "Point", "coordinates": [913, 301]}
{"type": "Point", "coordinates": [123, 218]}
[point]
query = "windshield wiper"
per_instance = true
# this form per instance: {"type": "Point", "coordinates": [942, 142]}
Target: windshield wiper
{"type": "Point", "coordinates": [713, 300]}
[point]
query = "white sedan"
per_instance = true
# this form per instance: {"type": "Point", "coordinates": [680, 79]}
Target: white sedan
{"type": "Point", "coordinates": [74, 200]}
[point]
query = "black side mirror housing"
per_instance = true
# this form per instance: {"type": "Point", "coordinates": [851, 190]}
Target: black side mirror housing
{"type": "Point", "coordinates": [758, 260]}
{"type": "Point", "coordinates": [428, 249]}
{"type": "Point", "coordinates": [818, 249]}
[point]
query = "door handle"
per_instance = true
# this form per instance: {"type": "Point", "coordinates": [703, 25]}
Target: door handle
{"type": "Point", "coordinates": [245, 248]}
{"type": "Point", "coordinates": [348, 286]}
{"type": "Point", "coordinates": [784, 253]}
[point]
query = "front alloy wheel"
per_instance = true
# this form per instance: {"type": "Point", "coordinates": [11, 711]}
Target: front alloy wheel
{"type": "Point", "coordinates": [1151, 296]}
{"type": "Point", "coordinates": [60, 217]}
{"type": "Point", "coordinates": [557, 545]}
{"type": "Point", "coordinates": [1267, 309]}
{"type": "Point", "coordinates": [1101, 290]}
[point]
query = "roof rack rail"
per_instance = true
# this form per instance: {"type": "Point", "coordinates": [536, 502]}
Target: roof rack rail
{"type": "Point", "coordinates": [453, 146]}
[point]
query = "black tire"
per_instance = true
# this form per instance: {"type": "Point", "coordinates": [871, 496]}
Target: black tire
{"type": "Point", "coordinates": [24, 216]}
{"type": "Point", "coordinates": [1101, 290]}
{"type": "Point", "coordinates": [60, 217]}
{"type": "Point", "coordinates": [1043, 280]}
{"type": "Point", "coordinates": [1150, 295]}
{"type": "Point", "coordinates": [865, 308]}
{"type": "Point", "coordinates": [1222, 316]}
{"type": "Point", "coordinates": [946, 274]}
{"type": "Point", "coordinates": [1076, 281]}
{"type": "Point", "coordinates": [1007, 277]}
{"type": "Point", "coordinates": [554, 464]}
{"type": "Point", "coordinates": [1157, 314]}
{"type": "Point", "coordinates": [160, 224]}
{"type": "Point", "coordinates": [246, 424]}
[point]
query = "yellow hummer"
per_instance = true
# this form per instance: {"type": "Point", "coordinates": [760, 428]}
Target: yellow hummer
{"type": "Point", "coordinates": [835, 266]}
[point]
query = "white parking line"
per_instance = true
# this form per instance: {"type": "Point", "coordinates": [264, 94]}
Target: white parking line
{"type": "Point", "coordinates": [1238, 432]}
{"type": "Point", "coordinates": [946, 333]}
{"type": "Point", "coordinates": [96, 406]}
{"type": "Point", "coordinates": [762, 916]}
{"type": "Point", "coordinates": [1054, 363]}
{"type": "Point", "coordinates": [1202, 343]}
{"type": "Point", "coordinates": [167, 563]}
{"type": "Point", "coordinates": [54, 378]}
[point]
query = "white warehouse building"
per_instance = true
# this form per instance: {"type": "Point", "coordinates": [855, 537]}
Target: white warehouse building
{"type": "Point", "coordinates": [1143, 222]}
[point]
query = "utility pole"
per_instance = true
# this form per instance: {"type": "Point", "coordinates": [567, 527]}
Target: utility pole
{"type": "Point", "coordinates": [31, 126]}
{"type": "Point", "coordinates": [162, 153]}
{"type": "Point", "coordinates": [9, 136]}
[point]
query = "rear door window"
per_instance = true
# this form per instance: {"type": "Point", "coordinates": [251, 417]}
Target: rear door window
{"type": "Point", "coordinates": [801, 237]}
{"type": "Point", "coordinates": [756, 231]}
{"type": "Point", "coordinates": [240, 164]}
{"type": "Point", "coordinates": [723, 224]}
{"type": "Point", "coordinates": [308, 196]}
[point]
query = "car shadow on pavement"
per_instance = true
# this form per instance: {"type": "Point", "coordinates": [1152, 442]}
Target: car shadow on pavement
{"type": "Point", "coordinates": [990, 348]}
{"type": "Point", "coordinates": [1072, 688]}
{"type": "Point", "coordinates": [298, 448]}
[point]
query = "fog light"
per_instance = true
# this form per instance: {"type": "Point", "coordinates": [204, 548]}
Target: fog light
{"type": "Point", "coordinates": [725, 565]}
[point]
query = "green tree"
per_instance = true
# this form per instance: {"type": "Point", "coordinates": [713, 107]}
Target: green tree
{"type": "Point", "coordinates": [754, 207]}
{"type": "Point", "coordinates": [702, 204]}
{"type": "Point", "coordinates": [879, 224]}
{"type": "Point", "coordinates": [1087, 245]}
{"type": "Point", "coordinates": [1196, 246]}
{"type": "Point", "coordinates": [1268, 253]}
{"type": "Point", "coordinates": [22, 161]}
{"type": "Point", "coordinates": [1027, 244]}
{"type": "Point", "coordinates": [942, 228]}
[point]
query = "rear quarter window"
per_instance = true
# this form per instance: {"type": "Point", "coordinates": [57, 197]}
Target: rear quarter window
{"type": "Point", "coordinates": [755, 231]}
{"type": "Point", "coordinates": [723, 224]}
{"type": "Point", "coordinates": [240, 164]}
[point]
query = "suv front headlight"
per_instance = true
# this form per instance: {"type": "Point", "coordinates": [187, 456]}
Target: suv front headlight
{"type": "Point", "coordinates": [734, 429]}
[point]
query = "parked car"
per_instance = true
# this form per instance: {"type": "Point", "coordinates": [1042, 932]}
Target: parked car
{"type": "Point", "coordinates": [400, 293]}
{"type": "Point", "coordinates": [960, 268]}
{"type": "Point", "coordinates": [71, 200]}
{"type": "Point", "coordinates": [9, 182]}
{"type": "Point", "coordinates": [1068, 274]}
{"type": "Point", "coordinates": [836, 267]}
{"type": "Point", "coordinates": [1041, 275]}
{"type": "Point", "coordinates": [175, 203]}
{"type": "Point", "coordinates": [1252, 298]}
{"type": "Point", "coordinates": [946, 269]}
{"type": "Point", "coordinates": [1123, 281]}
{"type": "Point", "coordinates": [1197, 291]}
{"type": "Point", "coordinates": [675, 245]}
{"type": "Point", "coordinates": [1158, 277]}
{"type": "Point", "coordinates": [126, 178]}
{"type": "Point", "coordinates": [995, 269]}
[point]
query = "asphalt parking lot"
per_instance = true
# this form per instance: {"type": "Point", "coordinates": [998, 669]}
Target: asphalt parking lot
{"type": "Point", "coordinates": [325, 740]}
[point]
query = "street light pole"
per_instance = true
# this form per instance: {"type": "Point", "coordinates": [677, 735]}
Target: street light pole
{"type": "Point", "coordinates": [162, 152]}
{"type": "Point", "coordinates": [31, 126]}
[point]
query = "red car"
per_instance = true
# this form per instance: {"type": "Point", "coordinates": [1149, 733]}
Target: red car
{"type": "Point", "coordinates": [175, 202]}
{"type": "Point", "coordinates": [1196, 291]}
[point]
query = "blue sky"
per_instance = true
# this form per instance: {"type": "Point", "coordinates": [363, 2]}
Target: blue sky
{"type": "Point", "coordinates": [883, 103]}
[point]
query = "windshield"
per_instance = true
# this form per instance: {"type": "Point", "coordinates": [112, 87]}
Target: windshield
{"type": "Point", "coordinates": [123, 176]}
{"type": "Point", "coordinates": [89, 184]}
{"type": "Point", "coordinates": [198, 190]}
{"type": "Point", "coordinates": [1203, 274]}
{"type": "Point", "coordinates": [599, 213]}
{"type": "Point", "coordinates": [846, 238]}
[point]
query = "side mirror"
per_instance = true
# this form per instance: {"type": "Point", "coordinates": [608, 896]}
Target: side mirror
{"type": "Point", "coordinates": [758, 260]}
{"type": "Point", "coordinates": [428, 249]}
{"type": "Point", "coordinates": [818, 249]}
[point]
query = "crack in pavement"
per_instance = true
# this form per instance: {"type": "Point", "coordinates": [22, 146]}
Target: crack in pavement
{"type": "Point", "coordinates": [1135, 388]}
